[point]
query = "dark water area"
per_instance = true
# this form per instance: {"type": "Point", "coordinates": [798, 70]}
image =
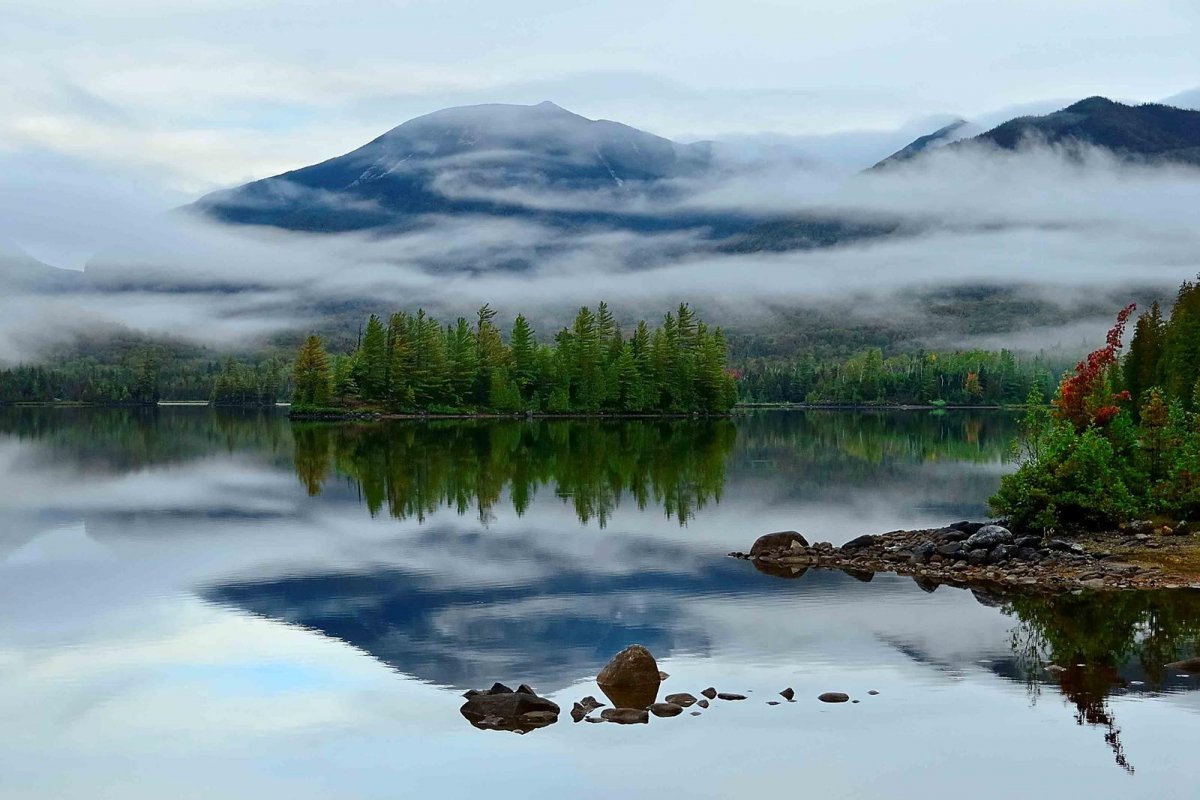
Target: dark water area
{"type": "Point", "coordinates": [203, 603]}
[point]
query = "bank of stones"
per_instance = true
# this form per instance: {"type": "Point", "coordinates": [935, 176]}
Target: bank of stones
{"type": "Point", "coordinates": [974, 553]}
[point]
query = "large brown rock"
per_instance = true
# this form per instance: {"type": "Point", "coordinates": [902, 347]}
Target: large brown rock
{"type": "Point", "coordinates": [780, 540]}
{"type": "Point", "coordinates": [631, 679]}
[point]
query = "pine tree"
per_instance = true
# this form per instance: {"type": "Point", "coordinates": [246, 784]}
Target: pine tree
{"type": "Point", "coordinates": [1143, 361]}
{"type": "Point", "coordinates": [524, 356]}
{"type": "Point", "coordinates": [371, 366]}
{"type": "Point", "coordinates": [311, 376]}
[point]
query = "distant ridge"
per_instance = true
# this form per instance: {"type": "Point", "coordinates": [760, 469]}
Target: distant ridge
{"type": "Point", "coordinates": [1149, 133]}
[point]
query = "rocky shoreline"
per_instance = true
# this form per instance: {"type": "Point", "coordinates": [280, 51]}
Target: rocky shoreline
{"type": "Point", "coordinates": [1140, 556]}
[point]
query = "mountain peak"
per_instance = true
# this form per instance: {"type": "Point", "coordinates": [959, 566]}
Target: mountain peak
{"type": "Point", "coordinates": [1090, 105]}
{"type": "Point", "coordinates": [467, 159]}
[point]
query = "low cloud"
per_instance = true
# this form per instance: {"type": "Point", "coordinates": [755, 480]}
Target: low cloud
{"type": "Point", "coordinates": [1074, 231]}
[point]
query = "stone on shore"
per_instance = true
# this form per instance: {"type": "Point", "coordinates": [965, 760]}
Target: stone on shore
{"type": "Point", "coordinates": [780, 540]}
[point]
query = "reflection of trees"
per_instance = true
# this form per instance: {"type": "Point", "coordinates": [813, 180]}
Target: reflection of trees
{"type": "Point", "coordinates": [415, 468]}
{"type": "Point", "coordinates": [117, 440]}
{"type": "Point", "coordinates": [1090, 637]}
{"type": "Point", "coordinates": [862, 441]}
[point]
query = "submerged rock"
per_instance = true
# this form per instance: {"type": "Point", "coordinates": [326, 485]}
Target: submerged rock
{"type": "Point", "coordinates": [681, 699]}
{"type": "Point", "coordinates": [702, 703]}
{"type": "Point", "coordinates": [666, 710]}
{"type": "Point", "coordinates": [625, 716]}
{"type": "Point", "coordinates": [833, 697]}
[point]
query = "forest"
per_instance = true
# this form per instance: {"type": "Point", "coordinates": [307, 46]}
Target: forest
{"type": "Point", "coordinates": [414, 363]}
{"type": "Point", "coordinates": [974, 377]}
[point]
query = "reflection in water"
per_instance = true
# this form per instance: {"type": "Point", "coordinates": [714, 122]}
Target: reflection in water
{"type": "Point", "coordinates": [413, 469]}
{"type": "Point", "coordinates": [564, 542]}
{"type": "Point", "coordinates": [1095, 643]}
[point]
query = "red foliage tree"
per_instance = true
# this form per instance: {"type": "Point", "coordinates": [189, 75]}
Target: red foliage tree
{"type": "Point", "coordinates": [1083, 398]}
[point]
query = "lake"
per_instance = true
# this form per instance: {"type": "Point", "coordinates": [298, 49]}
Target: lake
{"type": "Point", "coordinates": [202, 603]}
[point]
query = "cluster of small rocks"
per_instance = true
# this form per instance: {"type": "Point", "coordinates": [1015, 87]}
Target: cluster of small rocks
{"type": "Point", "coordinates": [625, 676]}
{"type": "Point", "coordinates": [971, 553]}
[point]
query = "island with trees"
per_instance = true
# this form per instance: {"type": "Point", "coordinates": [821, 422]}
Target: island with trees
{"type": "Point", "coordinates": [415, 364]}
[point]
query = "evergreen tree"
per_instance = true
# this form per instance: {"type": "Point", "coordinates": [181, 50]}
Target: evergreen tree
{"type": "Point", "coordinates": [310, 375]}
{"type": "Point", "coordinates": [371, 364]}
{"type": "Point", "coordinates": [1143, 361]}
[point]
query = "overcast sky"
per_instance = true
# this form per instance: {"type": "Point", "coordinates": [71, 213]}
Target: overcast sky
{"type": "Point", "coordinates": [121, 108]}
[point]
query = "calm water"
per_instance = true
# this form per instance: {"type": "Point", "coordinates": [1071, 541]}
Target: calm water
{"type": "Point", "coordinates": [201, 604]}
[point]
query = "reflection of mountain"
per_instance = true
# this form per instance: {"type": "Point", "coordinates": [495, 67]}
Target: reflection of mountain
{"type": "Point", "coordinates": [550, 620]}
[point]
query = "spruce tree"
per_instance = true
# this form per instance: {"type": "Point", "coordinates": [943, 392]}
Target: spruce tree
{"type": "Point", "coordinates": [311, 375]}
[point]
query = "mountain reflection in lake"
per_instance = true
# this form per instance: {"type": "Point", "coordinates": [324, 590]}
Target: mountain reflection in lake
{"type": "Point", "coordinates": [246, 607]}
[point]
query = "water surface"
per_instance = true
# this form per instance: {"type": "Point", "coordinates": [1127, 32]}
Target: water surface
{"type": "Point", "coordinates": [204, 603]}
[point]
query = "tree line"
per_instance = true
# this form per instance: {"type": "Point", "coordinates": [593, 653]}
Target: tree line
{"type": "Point", "coordinates": [974, 377]}
{"type": "Point", "coordinates": [414, 362]}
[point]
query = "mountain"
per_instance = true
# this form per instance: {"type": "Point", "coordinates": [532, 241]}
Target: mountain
{"type": "Point", "coordinates": [943, 136]}
{"type": "Point", "coordinates": [1150, 133]}
{"type": "Point", "coordinates": [487, 159]}
{"type": "Point", "coordinates": [20, 271]}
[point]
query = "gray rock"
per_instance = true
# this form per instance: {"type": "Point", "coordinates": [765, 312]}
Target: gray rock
{"type": "Point", "coordinates": [873, 692]}
{"type": "Point", "coordinates": [977, 557]}
{"type": "Point", "coordinates": [1027, 554]}
{"type": "Point", "coordinates": [695, 713]}
{"type": "Point", "coordinates": [968, 528]}
{"type": "Point", "coordinates": [578, 712]}
{"type": "Point", "coordinates": [626, 716]}
{"type": "Point", "coordinates": [702, 703]}
{"type": "Point", "coordinates": [833, 697]}
{"type": "Point", "coordinates": [1001, 553]}
{"type": "Point", "coordinates": [772, 702]}
{"type": "Point", "coordinates": [780, 540]}
{"type": "Point", "coordinates": [666, 710]}
{"type": "Point", "coordinates": [988, 537]}
{"type": "Point", "coordinates": [1028, 541]}
{"type": "Point", "coordinates": [525, 688]}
